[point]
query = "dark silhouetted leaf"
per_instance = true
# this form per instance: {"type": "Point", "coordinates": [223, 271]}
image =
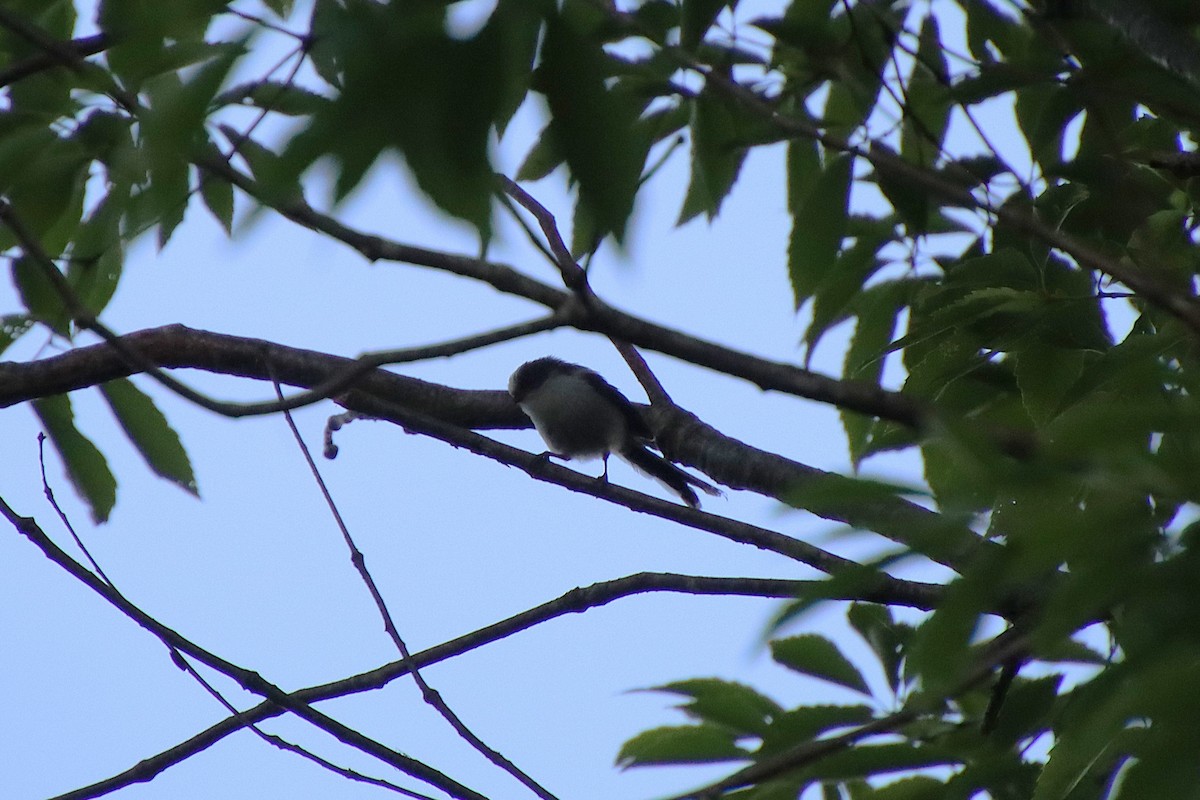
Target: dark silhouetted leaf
{"type": "Point", "coordinates": [150, 433]}
{"type": "Point", "coordinates": [86, 467]}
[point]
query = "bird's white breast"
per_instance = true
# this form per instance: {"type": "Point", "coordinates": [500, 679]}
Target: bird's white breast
{"type": "Point", "coordinates": [574, 419]}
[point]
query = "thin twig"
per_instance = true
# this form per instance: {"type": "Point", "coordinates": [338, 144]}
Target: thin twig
{"type": "Point", "coordinates": [428, 693]}
{"type": "Point", "coordinates": [247, 679]}
{"type": "Point", "coordinates": [180, 661]}
{"type": "Point", "coordinates": [573, 602]}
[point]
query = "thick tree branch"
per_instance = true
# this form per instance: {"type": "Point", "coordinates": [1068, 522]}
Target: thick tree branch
{"type": "Point", "coordinates": [922, 596]}
{"type": "Point", "coordinates": [81, 48]}
{"type": "Point", "coordinates": [404, 400]}
{"type": "Point", "coordinates": [852, 395]}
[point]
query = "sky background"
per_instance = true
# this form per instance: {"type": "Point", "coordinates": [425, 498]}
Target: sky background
{"type": "Point", "coordinates": [256, 572]}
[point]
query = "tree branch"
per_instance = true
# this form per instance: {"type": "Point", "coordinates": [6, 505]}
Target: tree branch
{"type": "Point", "coordinates": [248, 680]}
{"type": "Point", "coordinates": [859, 396]}
{"type": "Point", "coordinates": [407, 400]}
{"type": "Point", "coordinates": [922, 596]}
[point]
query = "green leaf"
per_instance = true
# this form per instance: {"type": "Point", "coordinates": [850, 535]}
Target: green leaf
{"type": "Point", "coordinates": [1045, 375]}
{"type": "Point", "coordinates": [878, 310]}
{"type": "Point", "coordinates": [542, 159]}
{"type": "Point", "coordinates": [818, 223]}
{"type": "Point", "coordinates": [217, 194]}
{"type": "Point", "coordinates": [865, 761]}
{"type": "Point", "coordinates": [518, 24]}
{"type": "Point", "coordinates": [172, 132]}
{"type": "Point", "coordinates": [282, 98]}
{"type": "Point", "coordinates": [725, 703]}
{"type": "Point", "coordinates": [150, 433]}
{"type": "Point", "coordinates": [86, 467]}
{"type": "Point", "coordinates": [1043, 112]}
{"type": "Point", "coordinates": [927, 106]}
{"type": "Point", "coordinates": [910, 200]}
{"type": "Point", "coordinates": [40, 297]}
{"type": "Point", "coordinates": [844, 283]}
{"type": "Point", "coordinates": [799, 725]}
{"type": "Point", "coordinates": [690, 744]}
{"type": "Point", "coordinates": [815, 655]}
{"type": "Point", "coordinates": [593, 126]}
{"type": "Point", "coordinates": [884, 635]}
{"type": "Point", "coordinates": [918, 787]}
{"type": "Point", "coordinates": [717, 155]}
{"type": "Point", "coordinates": [696, 17]}
{"type": "Point", "coordinates": [48, 195]}
{"type": "Point", "coordinates": [1027, 709]}
{"type": "Point", "coordinates": [409, 85]}
{"type": "Point", "coordinates": [13, 327]}
{"type": "Point", "coordinates": [97, 253]}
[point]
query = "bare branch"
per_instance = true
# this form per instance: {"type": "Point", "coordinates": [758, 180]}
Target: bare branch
{"type": "Point", "coordinates": [248, 680]}
{"type": "Point", "coordinates": [852, 395]}
{"type": "Point", "coordinates": [430, 695]}
{"type": "Point", "coordinates": [395, 397]}
{"type": "Point", "coordinates": [915, 595]}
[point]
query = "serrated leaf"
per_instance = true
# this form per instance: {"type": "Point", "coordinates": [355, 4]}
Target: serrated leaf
{"type": "Point", "coordinates": [717, 156]}
{"type": "Point", "coordinates": [593, 126]}
{"type": "Point", "coordinates": [865, 761]}
{"type": "Point", "coordinates": [732, 705]}
{"type": "Point", "coordinates": [85, 464]}
{"type": "Point", "coordinates": [1043, 111]}
{"type": "Point", "coordinates": [818, 225]}
{"type": "Point", "coordinates": [877, 310]}
{"type": "Point", "coordinates": [927, 106]}
{"type": "Point", "coordinates": [172, 131]}
{"type": "Point", "coordinates": [690, 744]}
{"type": "Point", "coordinates": [806, 723]}
{"type": "Point", "coordinates": [97, 252]}
{"type": "Point", "coordinates": [48, 197]}
{"type": "Point", "coordinates": [408, 85]}
{"type": "Point", "coordinates": [815, 655]}
{"type": "Point", "coordinates": [834, 296]}
{"type": "Point", "coordinates": [150, 433]}
{"type": "Point", "coordinates": [324, 25]}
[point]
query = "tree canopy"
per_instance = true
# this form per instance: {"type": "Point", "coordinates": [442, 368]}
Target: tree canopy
{"type": "Point", "coordinates": [992, 210]}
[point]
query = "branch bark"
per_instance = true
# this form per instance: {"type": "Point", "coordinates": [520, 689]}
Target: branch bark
{"type": "Point", "coordinates": [922, 596]}
{"type": "Point", "coordinates": [408, 401]}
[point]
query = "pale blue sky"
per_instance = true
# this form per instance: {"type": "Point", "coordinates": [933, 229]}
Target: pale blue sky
{"type": "Point", "coordinates": [256, 571]}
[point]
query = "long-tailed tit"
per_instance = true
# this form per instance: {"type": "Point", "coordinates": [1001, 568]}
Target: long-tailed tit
{"type": "Point", "coordinates": [582, 416]}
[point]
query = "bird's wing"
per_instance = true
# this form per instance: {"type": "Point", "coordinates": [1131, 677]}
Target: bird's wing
{"type": "Point", "coordinates": [637, 425]}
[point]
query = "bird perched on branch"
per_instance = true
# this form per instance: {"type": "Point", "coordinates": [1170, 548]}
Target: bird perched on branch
{"type": "Point", "coordinates": [582, 416]}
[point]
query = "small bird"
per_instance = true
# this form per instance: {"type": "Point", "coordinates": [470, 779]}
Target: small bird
{"type": "Point", "coordinates": [582, 416]}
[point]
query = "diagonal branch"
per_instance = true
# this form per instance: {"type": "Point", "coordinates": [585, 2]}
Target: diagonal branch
{"type": "Point", "coordinates": [247, 679]}
{"type": "Point", "coordinates": [395, 397]}
{"type": "Point", "coordinates": [430, 695]}
{"type": "Point", "coordinates": [922, 596]}
{"type": "Point", "coordinates": [865, 398]}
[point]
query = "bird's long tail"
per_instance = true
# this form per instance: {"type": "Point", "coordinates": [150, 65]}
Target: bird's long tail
{"type": "Point", "coordinates": [669, 475]}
